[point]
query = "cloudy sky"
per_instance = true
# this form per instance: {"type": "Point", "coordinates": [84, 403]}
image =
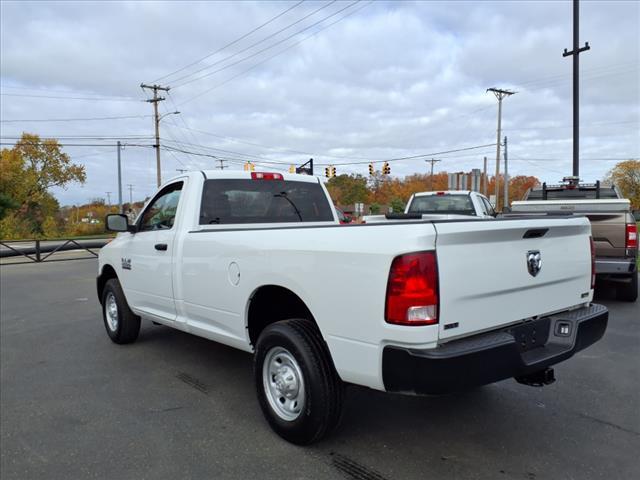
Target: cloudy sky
{"type": "Point", "coordinates": [342, 82]}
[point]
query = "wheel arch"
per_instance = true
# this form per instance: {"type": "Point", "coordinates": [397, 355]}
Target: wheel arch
{"type": "Point", "coordinates": [107, 273]}
{"type": "Point", "coordinates": [271, 303]}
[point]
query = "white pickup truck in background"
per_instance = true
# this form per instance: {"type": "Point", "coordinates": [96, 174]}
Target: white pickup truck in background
{"type": "Point", "coordinates": [441, 205]}
{"type": "Point", "coordinates": [259, 261]}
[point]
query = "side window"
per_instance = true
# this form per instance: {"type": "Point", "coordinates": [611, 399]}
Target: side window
{"type": "Point", "coordinates": [161, 212]}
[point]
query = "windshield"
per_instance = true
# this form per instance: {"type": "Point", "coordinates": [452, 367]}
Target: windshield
{"type": "Point", "coordinates": [443, 204]}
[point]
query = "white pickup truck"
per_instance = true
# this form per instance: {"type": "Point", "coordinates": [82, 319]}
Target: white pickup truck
{"type": "Point", "coordinates": [441, 205]}
{"type": "Point", "coordinates": [259, 261]}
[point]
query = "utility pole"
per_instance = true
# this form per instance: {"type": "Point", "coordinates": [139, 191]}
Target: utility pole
{"type": "Point", "coordinates": [484, 180]}
{"type": "Point", "coordinates": [500, 94]}
{"type": "Point", "coordinates": [155, 100]}
{"type": "Point", "coordinates": [130, 195]}
{"type": "Point", "coordinates": [576, 84]}
{"type": "Point", "coordinates": [119, 181]}
{"type": "Point", "coordinates": [108, 199]}
{"type": "Point", "coordinates": [432, 161]}
{"type": "Point", "coordinates": [506, 175]}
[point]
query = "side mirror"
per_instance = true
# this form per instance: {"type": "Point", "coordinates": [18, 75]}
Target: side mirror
{"type": "Point", "coordinates": [117, 222]}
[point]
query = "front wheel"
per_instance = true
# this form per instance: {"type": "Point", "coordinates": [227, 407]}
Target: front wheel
{"type": "Point", "coordinates": [298, 388]}
{"type": "Point", "coordinates": [121, 323]}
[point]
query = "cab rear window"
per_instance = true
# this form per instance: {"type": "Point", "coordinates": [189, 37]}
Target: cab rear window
{"type": "Point", "coordinates": [241, 201]}
{"type": "Point", "coordinates": [454, 204]}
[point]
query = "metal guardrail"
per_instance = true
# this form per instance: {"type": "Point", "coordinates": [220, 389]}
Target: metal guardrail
{"type": "Point", "coordinates": [40, 251]}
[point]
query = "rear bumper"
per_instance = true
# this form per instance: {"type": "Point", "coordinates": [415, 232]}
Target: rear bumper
{"type": "Point", "coordinates": [489, 357]}
{"type": "Point", "coordinates": [615, 265]}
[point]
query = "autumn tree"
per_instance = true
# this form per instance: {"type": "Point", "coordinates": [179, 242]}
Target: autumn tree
{"type": "Point", "coordinates": [519, 185]}
{"type": "Point", "coordinates": [348, 189]}
{"type": "Point", "coordinates": [27, 172]}
{"type": "Point", "coordinates": [626, 176]}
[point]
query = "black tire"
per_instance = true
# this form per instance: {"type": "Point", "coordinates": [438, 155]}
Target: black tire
{"type": "Point", "coordinates": [321, 408]}
{"type": "Point", "coordinates": [628, 292]}
{"type": "Point", "coordinates": [127, 326]}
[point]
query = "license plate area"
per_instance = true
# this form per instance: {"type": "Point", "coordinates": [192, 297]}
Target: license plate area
{"type": "Point", "coordinates": [531, 335]}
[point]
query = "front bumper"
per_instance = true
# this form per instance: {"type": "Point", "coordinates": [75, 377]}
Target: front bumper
{"type": "Point", "coordinates": [489, 357]}
{"type": "Point", "coordinates": [614, 265]}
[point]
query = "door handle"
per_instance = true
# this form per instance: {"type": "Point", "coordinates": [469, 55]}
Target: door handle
{"type": "Point", "coordinates": [161, 246]}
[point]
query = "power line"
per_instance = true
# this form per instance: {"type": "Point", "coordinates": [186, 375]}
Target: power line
{"type": "Point", "coordinates": [599, 124]}
{"type": "Point", "coordinates": [75, 119]}
{"type": "Point", "coordinates": [566, 159]}
{"type": "Point", "coordinates": [271, 147]}
{"type": "Point", "coordinates": [413, 157]}
{"type": "Point", "coordinates": [230, 43]}
{"type": "Point", "coordinates": [105, 99]}
{"type": "Point", "coordinates": [597, 71]}
{"type": "Point", "coordinates": [269, 47]}
{"type": "Point", "coordinates": [13, 144]}
{"type": "Point", "coordinates": [39, 89]}
{"type": "Point", "coordinates": [217, 62]}
{"type": "Point", "coordinates": [84, 137]}
{"type": "Point", "coordinates": [277, 53]}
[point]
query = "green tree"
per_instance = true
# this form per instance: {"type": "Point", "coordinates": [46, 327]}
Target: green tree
{"type": "Point", "coordinates": [397, 205]}
{"type": "Point", "coordinates": [626, 176]}
{"type": "Point", "coordinates": [6, 204]}
{"type": "Point", "coordinates": [27, 172]}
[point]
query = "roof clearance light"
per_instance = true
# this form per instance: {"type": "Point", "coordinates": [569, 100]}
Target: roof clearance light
{"type": "Point", "coordinates": [266, 176]}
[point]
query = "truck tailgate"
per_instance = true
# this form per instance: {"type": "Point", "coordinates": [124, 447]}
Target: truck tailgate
{"type": "Point", "coordinates": [484, 277]}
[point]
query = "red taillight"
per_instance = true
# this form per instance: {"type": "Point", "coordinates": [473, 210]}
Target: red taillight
{"type": "Point", "coordinates": [266, 176]}
{"type": "Point", "coordinates": [412, 290]}
{"type": "Point", "coordinates": [593, 262]}
{"type": "Point", "coordinates": [631, 241]}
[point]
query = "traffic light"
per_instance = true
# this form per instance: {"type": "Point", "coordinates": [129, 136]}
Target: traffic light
{"type": "Point", "coordinates": [333, 171]}
{"type": "Point", "coordinates": [327, 172]}
{"type": "Point", "coordinates": [372, 170]}
{"type": "Point", "coordinates": [386, 168]}
{"type": "Point", "coordinates": [249, 167]}
{"type": "Point", "coordinates": [292, 169]}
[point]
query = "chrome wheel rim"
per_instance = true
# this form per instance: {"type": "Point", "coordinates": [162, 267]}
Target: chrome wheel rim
{"type": "Point", "coordinates": [283, 383]}
{"type": "Point", "coordinates": [111, 312]}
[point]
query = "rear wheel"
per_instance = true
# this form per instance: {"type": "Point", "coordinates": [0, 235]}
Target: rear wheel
{"type": "Point", "coordinates": [298, 388]}
{"type": "Point", "coordinates": [628, 291]}
{"type": "Point", "coordinates": [121, 323]}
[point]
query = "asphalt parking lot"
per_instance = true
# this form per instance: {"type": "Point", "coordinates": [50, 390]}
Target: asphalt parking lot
{"type": "Point", "coordinates": [73, 405]}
